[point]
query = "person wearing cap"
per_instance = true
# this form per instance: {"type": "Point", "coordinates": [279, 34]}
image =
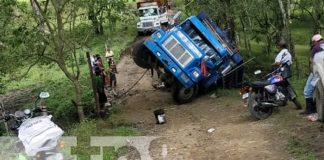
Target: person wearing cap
{"type": "Point", "coordinates": [317, 45]}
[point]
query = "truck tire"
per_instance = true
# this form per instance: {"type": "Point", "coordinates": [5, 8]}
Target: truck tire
{"type": "Point", "coordinates": [182, 95]}
{"type": "Point", "coordinates": [257, 111]}
{"type": "Point", "coordinates": [140, 33]}
{"type": "Point", "coordinates": [142, 56]}
{"type": "Point", "coordinates": [319, 98]}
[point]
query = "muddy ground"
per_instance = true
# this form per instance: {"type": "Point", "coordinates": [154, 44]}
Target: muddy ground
{"type": "Point", "coordinates": [236, 135]}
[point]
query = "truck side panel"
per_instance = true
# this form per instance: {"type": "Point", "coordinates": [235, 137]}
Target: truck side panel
{"type": "Point", "coordinates": [208, 35]}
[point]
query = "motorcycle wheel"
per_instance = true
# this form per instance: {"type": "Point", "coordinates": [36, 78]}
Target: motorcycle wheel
{"type": "Point", "coordinates": [319, 98]}
{"type": "Point", "coordinates": [284, 92]}
{"type": "Point", "coordinates": [257, 111]}
{"type": "Point", "coordinates": [282, 102]}
{"type": "Point", "coordinates": [182, 95]}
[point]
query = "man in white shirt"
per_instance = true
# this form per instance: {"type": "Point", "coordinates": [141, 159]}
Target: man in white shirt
{"type": "Point", "coordinates": [283, 57]}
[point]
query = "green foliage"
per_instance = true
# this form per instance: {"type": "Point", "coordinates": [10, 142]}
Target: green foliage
{"type": "Point", "coordinates": [89, 128]}
{"type": "Point", "coordinates": [300, 150]}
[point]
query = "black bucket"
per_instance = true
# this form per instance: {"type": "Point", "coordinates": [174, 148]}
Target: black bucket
{"type": "Point", "coordinates": [159, 116]}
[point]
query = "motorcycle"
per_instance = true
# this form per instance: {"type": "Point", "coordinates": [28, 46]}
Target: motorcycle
{"type": "Point", "coordinates": [263, 96]}
{"type": "Point", "coordinates": [38, 135]}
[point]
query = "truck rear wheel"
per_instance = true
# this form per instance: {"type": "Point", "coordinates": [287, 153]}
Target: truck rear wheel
{"type": "Point", "coordinates": [319, 98]}
{"type": "Point", "coordinates": [182, 95]}
{"type": "Point", "coordinates": [142, 56]}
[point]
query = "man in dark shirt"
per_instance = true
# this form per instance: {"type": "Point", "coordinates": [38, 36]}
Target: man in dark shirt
{"type": "Point", "coordinates": [316, 47]}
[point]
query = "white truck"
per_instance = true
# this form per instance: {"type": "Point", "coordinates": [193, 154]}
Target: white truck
{"type": "Point", "coordinates": [318, 70]}
{"type": "Point", "coordinates": [151, 13]}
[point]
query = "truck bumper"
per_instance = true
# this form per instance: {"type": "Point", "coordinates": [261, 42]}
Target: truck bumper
{"type": "Point", "coordinates": [151, 29]}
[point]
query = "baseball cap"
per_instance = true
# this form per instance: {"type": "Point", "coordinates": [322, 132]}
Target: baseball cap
{"type": "Point", "coordinates": [317, 37]}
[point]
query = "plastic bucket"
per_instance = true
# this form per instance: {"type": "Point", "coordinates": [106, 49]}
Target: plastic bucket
{"type": "Point", "coordinates": [159, 116]}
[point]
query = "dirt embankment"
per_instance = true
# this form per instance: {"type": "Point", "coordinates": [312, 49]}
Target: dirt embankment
{"type": "Point", "coordinates": [16, 99]}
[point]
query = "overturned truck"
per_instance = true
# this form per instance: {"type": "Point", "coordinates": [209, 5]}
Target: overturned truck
{"type": "Point", "coordinates": [194, 55]}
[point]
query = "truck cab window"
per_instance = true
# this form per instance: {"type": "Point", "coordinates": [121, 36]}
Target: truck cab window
{"type": "Point", "coordinates": [148, 12]}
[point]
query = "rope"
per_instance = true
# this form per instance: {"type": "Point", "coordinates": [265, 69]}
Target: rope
{"type": "Point", "coordinates": [238, 67]}
{"type": "Point", "coordinates": [134, 84]}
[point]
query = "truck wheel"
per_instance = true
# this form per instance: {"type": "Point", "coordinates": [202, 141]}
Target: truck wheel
{"type": "Point", "coordinates": [141, 56]}
{"type": "Point", "coordinates": [319, 98]}
{"type": "Point", "coordinates": [257, 111]}
{"type": "Point", "coordinates": [182, 95]}
{"type": "Point", "coordinates": [140, 33]}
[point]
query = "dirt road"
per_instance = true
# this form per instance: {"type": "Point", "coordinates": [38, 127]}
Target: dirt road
{"type": "Point", "coordinates": [236, 135]}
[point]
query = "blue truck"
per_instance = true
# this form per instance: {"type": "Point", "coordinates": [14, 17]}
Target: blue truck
{"type": "Point", "coordinates": [194, 55]}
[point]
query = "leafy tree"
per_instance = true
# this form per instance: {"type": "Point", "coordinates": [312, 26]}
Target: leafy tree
{"type": "Point", "coordinates": [18, 38]}
{"type": "Point", "coordinates": [314, 9]}
{"type": "Point", "coordinates": [101, 11]}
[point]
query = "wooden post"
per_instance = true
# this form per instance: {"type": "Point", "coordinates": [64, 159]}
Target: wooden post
{"type": "Point", "coordinates": [94, 87]}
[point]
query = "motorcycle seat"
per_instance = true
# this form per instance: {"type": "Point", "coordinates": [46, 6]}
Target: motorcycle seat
{"type": "Point", "coordinates": [260, 83]}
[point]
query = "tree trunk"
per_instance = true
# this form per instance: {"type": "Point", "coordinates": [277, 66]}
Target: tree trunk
{"type": "Point", "coordinates": [247, 44]}
{"type": "Point", "coordinates": [230, 24]}
{"type": "Point", "coordinates": [285, 14]}
{"type": "Point", "coordinates": [39, 16]}
{"type": "Point", "coordinates": [77, 87]}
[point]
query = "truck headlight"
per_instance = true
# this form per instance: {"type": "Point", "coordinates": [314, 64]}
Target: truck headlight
{"type": "Point", "coordinates": [195, 74]}
{"type": "Point", "coordinates": [173, 70]}
{"type": "Point", "coordinates": [158, 54]}
{"type": "Point", "coordinates": [138, 24]}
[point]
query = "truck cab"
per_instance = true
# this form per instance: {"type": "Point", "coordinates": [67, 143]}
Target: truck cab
{"type": "Point", "coordinates": [194, 54]}
{"type": "Point", "coordinates": [150, 15]}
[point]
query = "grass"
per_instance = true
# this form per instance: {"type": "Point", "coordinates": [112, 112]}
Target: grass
{"type": "Point", "coordinates": [300, 150]}
{"type": "Point", "coordinates": [89, 128]}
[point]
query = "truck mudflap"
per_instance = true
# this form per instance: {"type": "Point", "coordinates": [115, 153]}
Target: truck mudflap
{"type": "Point", "coordinates": [169, 63]}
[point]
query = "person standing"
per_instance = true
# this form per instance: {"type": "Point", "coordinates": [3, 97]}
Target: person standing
{"type": "Point", "coordinates": [109, 56]}
{"type": "Point", "coordinates": [283, 59]}
{"type": "Point", "coordinates": [112, 74]}
{"type": "Point", "coordinates": [317, 45]}
{"type": "Point", "coordinates": [100, 88]}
